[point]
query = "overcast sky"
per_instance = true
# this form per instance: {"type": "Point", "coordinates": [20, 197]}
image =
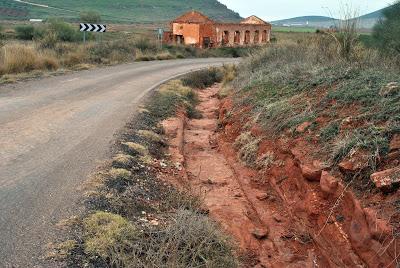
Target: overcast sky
{"type": "Point", "coordinates": [270, 10]}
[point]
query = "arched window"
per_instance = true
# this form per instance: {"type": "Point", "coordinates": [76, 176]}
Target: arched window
{"type": "Point", "coordinates": [225, 38]}
{"type": "Point", "coordinates": [247, 37]}
{"type": "Point", "coordinates": [236, 38]}
{"type": "Point", "coordinates": [256, 37]}
{"type": "Point", "coordinates": [264, 36]}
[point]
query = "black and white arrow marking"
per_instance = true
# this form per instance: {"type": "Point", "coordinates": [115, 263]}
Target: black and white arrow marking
{"type": "Point", "coordinates": [88, 27]}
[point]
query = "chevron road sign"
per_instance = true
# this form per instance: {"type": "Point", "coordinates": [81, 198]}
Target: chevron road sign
{"type": "Point", "coordinates": [88, 27]}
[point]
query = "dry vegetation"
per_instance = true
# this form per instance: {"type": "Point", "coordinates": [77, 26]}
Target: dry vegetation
{"type": "Point", "coordinates": [347, 93]}
{"type": "Point", "coordinates": [57, 45]}
{"type": "Point", "coordinates": [135, 220]}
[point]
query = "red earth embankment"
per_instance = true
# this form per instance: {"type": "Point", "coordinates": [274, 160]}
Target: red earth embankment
{"type": "Point", "coordinates": [292, 211]}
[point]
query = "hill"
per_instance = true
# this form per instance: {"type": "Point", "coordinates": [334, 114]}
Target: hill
{"type": "Point", "coordinates": [307, 21]}
{"type": "Point", "coordinates": [366, 21]}
{"type": "Point", "coordinates": [135, 11]}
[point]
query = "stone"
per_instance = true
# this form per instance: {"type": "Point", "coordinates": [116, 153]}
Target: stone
{"type": "Point", "coordinates": [379, 228]}
{"type": "Point", "coordinates": [395, 143]}
{"type": "Point", "coordinates": [359, 160]}
{"type": "Point", "coordinates": [394, 156]}
{"type": "Point", "coordinates": [262, 197]}
{"type": "Point", "coordinates": [310, 172]}
{"type": "Point", "coordinates": [260, 233]}
{"type": "Point", "coordinates": [328, 183]}
{"type": "Point", "coordinates": [303, 127]}
{"type": "Point", "coordinates": [346, 166]}
{"type": "Point", "coordinates": [386, 179]}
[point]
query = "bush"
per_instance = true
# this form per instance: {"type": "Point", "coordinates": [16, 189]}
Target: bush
{"type": "Point", "coordinates": [25, 32]}
{"type": "Point", "coordinates": [144, 44]}
{"type": "Point", "coordinates": [204, 78]}
{"type": "Point", "coordinates": [109, 237]}
{"type": "Point", "coordinates": [100, 51]}
{"type": "Point", "coordinates": [64, 31]}
{"type": "Point", "coordinates": [387, 31]}
{"type": "Point", "coordinates": [90, 17]}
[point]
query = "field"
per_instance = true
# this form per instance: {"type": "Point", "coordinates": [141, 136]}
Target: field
{"type": "Point", "coordinates": [126, 11]}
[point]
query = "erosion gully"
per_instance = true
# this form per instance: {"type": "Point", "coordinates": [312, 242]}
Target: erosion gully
{"type": "Point", "coordinates": [278, 217]}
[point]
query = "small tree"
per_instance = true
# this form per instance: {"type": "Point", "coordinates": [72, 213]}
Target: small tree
{"type": "Point", "coordinates": [347, 32]}
{"type": "Point", "coordinates": [64, 31]}
{"type": "Point", "coordinates": [387, 31]}
{"type": "Point", "coordinates": [25, 32]}
{"type": "Point", "coordinates": [90, 17]}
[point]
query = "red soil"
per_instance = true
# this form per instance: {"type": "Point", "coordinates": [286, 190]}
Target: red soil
{"type": "Point", "coordinates": [278, 215]}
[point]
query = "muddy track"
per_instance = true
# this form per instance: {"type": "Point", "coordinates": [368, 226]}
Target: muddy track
{"type": "Point", "coordinates": [278, 217]}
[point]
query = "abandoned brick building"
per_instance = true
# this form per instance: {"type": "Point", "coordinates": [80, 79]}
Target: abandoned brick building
{"type": "Point", "coordinates": [196, 29]}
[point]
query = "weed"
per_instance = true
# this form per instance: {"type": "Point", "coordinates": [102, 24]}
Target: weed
{"type": "Point", "coordinates": [19, 58]}
{"type": "Point", "coordinates": [202, 79]}
{"type": "Point", "coordinates": [110, 237]}
{"type": "Point", "coordinates": [120, 174]}
{"type": "Point", "coordinates": [247, 146]}
{"type": "Point", "coordinates": [135, 148]}
{"type": "Point", "coordinates": [122, 161]}
{"type": "Point", "coordinates": [266, 160]}
{"type": "Point", "coordinates": [151, 136]}
{"type": "Point", "coordinates": [330, 131]}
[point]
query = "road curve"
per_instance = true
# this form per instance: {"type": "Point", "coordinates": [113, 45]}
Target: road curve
{"type": "Point", "coordinates": [53, 133]}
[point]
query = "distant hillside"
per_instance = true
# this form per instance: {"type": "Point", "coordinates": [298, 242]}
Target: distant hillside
{"type": "Point", "coordinates": [366, 21]}
{"type": "Point", "coordinates": [310, 21]}
{"type": "Point", "coordinates": [135, 11]}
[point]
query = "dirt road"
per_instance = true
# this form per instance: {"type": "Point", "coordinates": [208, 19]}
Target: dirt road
{"type": "Point", "coordinates": [53, 132]}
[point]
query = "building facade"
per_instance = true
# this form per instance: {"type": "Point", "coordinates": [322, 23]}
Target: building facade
{"type": "Point", "coordinates": [196, 29]}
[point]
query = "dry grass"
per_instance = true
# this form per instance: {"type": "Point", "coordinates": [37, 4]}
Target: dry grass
{"type": "Point", "coordinates": [135, 148]}
{"type": "Point", "coordinates": [120, 174]}
{"type": "Point", "coordinates": [122, 161]}
{"type": "Point", "coordinates": [20, 58]}
{"type": "Point", "coordinates": [247, 146]}
{"type": "Point", "coordinates": [188, 240]}
{"type": "Point", "coordinates": [266, 160]}
{"type": "Point", "coordinates": [150, 136]}
{"type": "Point", "coordinates": [109, 236]}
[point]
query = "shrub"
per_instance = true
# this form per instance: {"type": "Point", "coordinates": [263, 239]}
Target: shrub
{"type": "Point", "coordinates": [144, 44]}
{"type": "Point", "coordinates": [247, 146]}
{"type": "Point", "coordinates": [150, 135]}
{"type": "Point", "coordinates": [188, 240]}
{"type": "Point", "coordinates": [164, 56]}
{"type": "Point", "coordinates": [49, 41]}
{"type": "Point", "coordinates": [386, 32]}
{"type": "Point", "coordinates": [48, 61]}
{"type": "Point", "coordinates": [90, 17]}
{"type": "Point", "coordinates": [135, 148]}
{"type": "Point", "coordinates": [109, 237]}
{"type": "Point", "coordinates": [204, 78]}
{"type": "Point", "coordinates": [98, 52]}
{"type": "Point", "coordinates": [122, 161]}
{"type": "Point", "coordinates": [25, 32]}
{"type": "Point", "coordinates": [64, 31]}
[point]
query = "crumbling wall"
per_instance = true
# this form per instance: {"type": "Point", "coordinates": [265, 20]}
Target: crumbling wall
{"type": "Point", "coordinates": [254, 33]}
{"type": "Point", "coordinates": [189, 31]}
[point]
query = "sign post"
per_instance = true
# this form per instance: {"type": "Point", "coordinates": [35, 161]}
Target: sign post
{"type": "Point", "coordinates": [89, 27]}
{"type": "Point", "coordinates": [160, 36]}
